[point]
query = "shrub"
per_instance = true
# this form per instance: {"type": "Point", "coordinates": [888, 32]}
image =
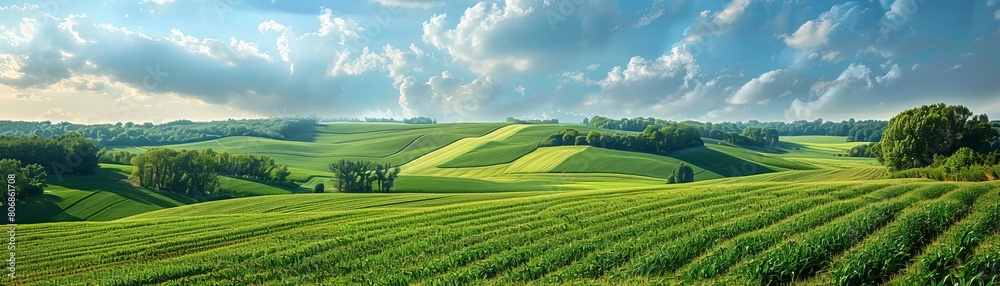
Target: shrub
{"type": "Point", "coordinates": [318, 188]}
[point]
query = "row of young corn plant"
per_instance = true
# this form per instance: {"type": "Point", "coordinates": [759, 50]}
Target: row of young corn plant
{"type": "Point", "coordinates": [228, 233]}
{"type": "Point", "coordinates": [617, 255]}
{"type": "Point", "coordinates": [669, 257]}
{"type": "Point", "coordinates": [256, 262]}
{"type": "Point", "coordinates": [101, 255]}
{"type": "Point", "coordinates": [487, 267]}
{"type": "Point", "coordinates": [804, 255]}
{"type": "Point", "coordinates": [613, 219]}
{"type": "Point", "coordinates": [171, 248]}
{"type": "Point", "coordinates": [388, 255]}
{"type": "Point", "coordinates": [954, 246]}
{"type": "Point", "coordinates": [724, 256]}
{"type": "Point", "coordinates": [355, 251]}
{"type": "Point", "coordinates": [983, 267]}
{"type": "Point", "coordinates": [625, 230]}
{"type": "Point", "coordinates": [421, 258]}
{"type": "Point", "coordinates": [634, 231]}
{"type": "Point", "coordinates": [890, 250]}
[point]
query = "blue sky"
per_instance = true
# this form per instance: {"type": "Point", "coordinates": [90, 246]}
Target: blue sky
{"type": "Point", "coordinates": [162, 60]}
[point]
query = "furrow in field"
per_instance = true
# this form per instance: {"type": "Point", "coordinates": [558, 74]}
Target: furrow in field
{"type": "Point", "coordinates": [804, 255]}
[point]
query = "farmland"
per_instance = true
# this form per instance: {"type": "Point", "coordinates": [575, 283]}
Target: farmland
{"type": "Point", "coordinates": [726, 233]}
{"type": "Point", "coordinates": [491, 207]}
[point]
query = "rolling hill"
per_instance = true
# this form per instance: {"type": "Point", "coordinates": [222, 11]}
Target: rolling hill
{"type": "Point", "coordinates": [478, 158]}
{"type": "Point", "coordinates": [494, 208]}
{"type": "Point", "coordinates": [727, 233]}
{"type": "Point", "coordinates": [99, 197]}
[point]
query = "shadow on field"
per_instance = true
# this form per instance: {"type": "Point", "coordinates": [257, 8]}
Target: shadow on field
{"type": "Point", "coordinates": [32, 210]}
{"type": "Point", "coordinates": [114, 182]}
{"type": "Point", "coordinates": [720, 163]}
{"type": "Point", "coordinates": [305, 136]}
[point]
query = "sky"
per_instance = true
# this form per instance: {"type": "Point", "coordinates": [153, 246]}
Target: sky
{"type": "Point", "coordinates": [462, 61]}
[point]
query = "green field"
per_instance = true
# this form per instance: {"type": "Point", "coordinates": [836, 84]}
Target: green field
{"type": "Point", "coordinates": [455, 158]}
{"type": "Point", "coordinates": [815, 139]}
{"type": "Point", "coordinates": [99, 197]}
{"type": "Point", "coordinates": [489, 207]}
{"type": "Point", "coordinates": [311, 153]}
{"type": "Point", "coordinates": [731, 233]}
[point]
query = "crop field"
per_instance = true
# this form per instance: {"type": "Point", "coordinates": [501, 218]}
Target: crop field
{"type": "Point", "coordinates": [99, 197]}
{"type": "Point", "coordinates": [314, 151]}
{"type": "Point", "coordinates": [815, 139]}
{"type": "Point", "coordinates": [897, 231]}
{"type": "Point", "coordinates": [490, 207]}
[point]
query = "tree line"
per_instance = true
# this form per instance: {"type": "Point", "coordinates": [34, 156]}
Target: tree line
{"type": "Point", "coordinates": [652, 140]}
{"type": "Point", "coordinates": [251, 166]}
{"type": "Point", "coordinates": [532, 121]}
{"type": "Point", "coordinates": [180, 131]}
{"type": "Point", "coordinates": [751, 136]}
{"type": "Point", "coordinates": [115, 157]}
{"type": "Point", "coordinates": [363, 176]}
{"type": "Point", "coordinates": [69, 154]}
{"type": "Point", "coordinates": [863, 150]}
{"type": "Point", "coordinates": [940, 142]}
{"type": "Point", "coordinates": [864, 130]}
{"type": "Point", "coordinates": [28, 179]}
{"type": "Point", "coordinates": [419, 120]}
{"type": "Point", "coordinates": [196, 172]}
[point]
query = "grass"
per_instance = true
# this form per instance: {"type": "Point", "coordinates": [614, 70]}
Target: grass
{"type": "Point", "coordinates": [764, 232]}
{"type": "Point", "coordinates": [484, 206]}
{"type": "Point", "coordinates": [237, 187]}
{"type": "Point", "coordinates": [99, 197]}
{"type": "Point", "coordinates": [815, 139]}
{"type": "Point", "coordinates": [309, 154]}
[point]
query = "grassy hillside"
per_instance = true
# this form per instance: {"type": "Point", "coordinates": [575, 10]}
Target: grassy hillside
{"type": "Point", "coordinates": [309, 154]}
{"type": "Point", "coordinates": [727, 233]}
{"type": "Point", "coordinates": [237, 187]}
{"type": "Point", "coordinates": [99, 197]}
{"type": "Point", "coordinates": [815, 139]}
{"type": "Point", "coordinates": [485, 157]}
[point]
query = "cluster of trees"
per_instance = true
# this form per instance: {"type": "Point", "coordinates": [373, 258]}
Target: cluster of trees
{"type": "Point", "coordinates": [532, 121]}
{"type": "Point", "coordinates": [381, 119]}
{"type": "Point", "coordinates": [856, 131]}
{"type": "Point", "coordinates": [196, 172]}
{"type": "Point", "coordinates": [751, 136]}
{"type": "Point", "coordinates": [652, 140]}
{"type": "Point", "coordinates": [29, 180]}
{"type": "Point", "coordinates": [251, 166]}
{"type": "Point", "coordinates": [914, 137]}
{"type": "Point", "coordinates": [419, 120]}
{"type": "Point", "coordinates": [866, 130]}
{"type": "Point", "coordinates": [362, 176]}
{"type": "Point", "coordinates": [339, 119]}
{"type": "Point", "coordinates": [186, 172]}
{"type": "Point", "coordinates": [115, 157]}
{"type": "Point", "coordinates": [681, 174]}
{"type": "Point", "coordinates": [70, 154]}
{"type": "Point", "coordinates": [179, 131]}
{"type": "Point", "coordinates": [941, 142]}
{"type": "Point", "coordinates": [864, 150]}
{"type": "Point", "coordinates": [964, 165]}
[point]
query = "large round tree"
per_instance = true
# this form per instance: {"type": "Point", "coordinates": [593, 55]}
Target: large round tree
{"type": "Point", "coordinates": [915, 136]}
